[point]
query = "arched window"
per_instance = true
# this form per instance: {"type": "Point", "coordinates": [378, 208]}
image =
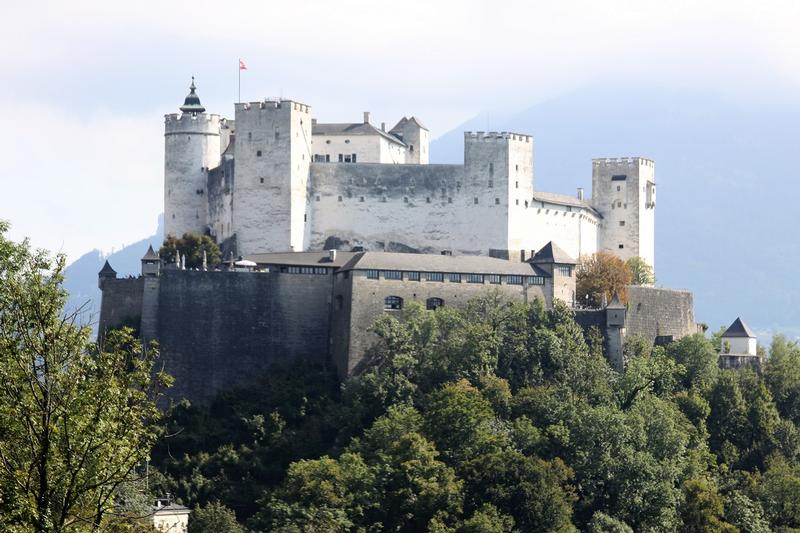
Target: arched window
{"type": "Point", "coordinates": [433, 303]}
{"type": "Point", "coordinates": [392, 302]}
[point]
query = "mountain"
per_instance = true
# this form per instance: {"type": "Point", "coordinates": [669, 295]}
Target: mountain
{"type": "Point", "coordinates": [80, 277]}
{"type": "Point", "coordinates": [722, 168]}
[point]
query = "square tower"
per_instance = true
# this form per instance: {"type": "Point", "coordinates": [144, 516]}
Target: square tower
{"type": "Point", "coordinates": [270, 191]}
{"type": "Point", "coordinates": [624, 193]}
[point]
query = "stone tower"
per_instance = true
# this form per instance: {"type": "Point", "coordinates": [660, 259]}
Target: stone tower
{"type": "Point", "coordinates": [191, 147]}
{"type": "Point", "coordinates": [270, 194]}
{"type": "Point", "coordinates": [624, 192]}
{"type": "Point", "coordinates": [417, 139]}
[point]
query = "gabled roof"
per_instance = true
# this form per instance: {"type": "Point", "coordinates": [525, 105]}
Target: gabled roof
{"type": "Point", "coordinates": [563, 199]}
{"type": "Point", "coordinates": [398, 128]}
{"type": "Point", "coordinates": [107, 270]}
{"type": "Point", "coordinates": [551, 253]}
{"type": "Point", "coordinates": [358, 128]}
{"type": "Point", "coordinates": [151, 255]}
{"type": "Point", "coordinates": [739, 329]}
{"type": "Point", "coordinates": [321, 258]}
{"type": "Point", "coordinates": [465, 264]}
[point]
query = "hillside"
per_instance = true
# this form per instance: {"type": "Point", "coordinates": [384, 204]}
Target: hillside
{"type": "Point", "coordinates": [720, 167]}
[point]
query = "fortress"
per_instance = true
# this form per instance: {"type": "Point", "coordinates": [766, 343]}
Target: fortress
{"type": "Point", "coordinates": [335, 224]}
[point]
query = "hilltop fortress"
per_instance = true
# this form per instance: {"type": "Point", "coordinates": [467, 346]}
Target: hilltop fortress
{"type": "Point", "coordinates": [336, 224]}
{"type": "Point", "coordinates": [274, 179]}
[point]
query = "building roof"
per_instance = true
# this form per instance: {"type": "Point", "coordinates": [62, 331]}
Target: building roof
{"type": "Point", "coordinates": [107, 270]}
{"type": "Point", "coordinates": [398, 128]}
{"type": "Point", "coordinates": [615, 303]}
{"type": "Point", "coordinates": [551, 253]}
{"type": "Point", "coordinates": [358, 128]}
{"type": "Point", "coordinates": [321, 258]}
{"type": "Point", "coordinates": [172, 508]}
{"type": "Point", "coordinates": [563, 199]}
{"type": "Point", "coordinates": [192, 102]}
{"type": "Point", "coordinates": [476, 264]}
{"type": "Point", "coordinates": [739, 329]}
{"type": "Point", "coordinates": [151, 255]}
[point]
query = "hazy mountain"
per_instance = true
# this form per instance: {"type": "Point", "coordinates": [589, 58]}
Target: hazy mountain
{"type": "Point", "coordinates": [722, 168]}
{"type": "Point", "coordinates": [80, 277]}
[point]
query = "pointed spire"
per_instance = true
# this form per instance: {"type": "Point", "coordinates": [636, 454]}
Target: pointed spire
{"type": "Point", "coordinates": [107, 271]}
{"type": "Point", "coordinates": [615, 302]}
{"type": "Point", "coordinates": [739, 329]}
{"type": "Point", "coordinates": [151, 255]}
{"type": "Point", "coordinates": [192, 102]}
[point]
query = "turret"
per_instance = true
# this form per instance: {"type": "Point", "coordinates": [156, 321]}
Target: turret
{"type": "Point", "coordinates": [105, 273]}
{"type": "Point", "coordinates": [151, 263]}
{"type": "Point", "coordinates": [739, 347]}
{"type": "Point", "coordinates": [417, 139]}
{"type": "Point", "coordinates": [191, 148]}
{"type": "Point", "coordinates": [556, 262]}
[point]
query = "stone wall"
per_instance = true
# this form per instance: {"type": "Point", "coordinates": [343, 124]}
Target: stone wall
{"type": "Point", "coordinates": [221, 329]}
{"type": "Point", "coordinates": [121, 303]}
{"type": "Point", "coordinates": [659, 312]}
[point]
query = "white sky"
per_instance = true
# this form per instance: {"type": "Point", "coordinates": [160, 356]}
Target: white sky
{"type": "Point", "coordinates": [84, 85]}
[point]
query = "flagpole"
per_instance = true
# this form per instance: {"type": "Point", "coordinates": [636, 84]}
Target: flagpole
{"type": "Point", "coordinates": [239, 66]}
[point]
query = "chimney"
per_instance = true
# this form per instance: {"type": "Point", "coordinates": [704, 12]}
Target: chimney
{"type": "Point", "coordinates": [580, 193]}
{"type": "Point", "coordinates": [332, 255]}
{"type": "Point", "coordinates": [383, 126]}
{"type": "Point", "coordinates": [313, 121]}
{"type": "Point", "coordinates": [366, 117]}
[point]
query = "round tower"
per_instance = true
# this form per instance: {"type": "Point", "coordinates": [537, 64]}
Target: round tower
{"type": "Point", "coordinates": [191, 148]}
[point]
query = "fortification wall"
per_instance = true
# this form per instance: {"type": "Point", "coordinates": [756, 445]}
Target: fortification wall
{"type": "Point", "coordinates": [121, 303]}
{"type": "Point", "coordinates": [221, 329]}
{"type": "Point", "coordinates": [220, 199]}
{"type": "Point", "coordinates": [654, 311]}
{"type": "Point", "coordinates": [572, 228]}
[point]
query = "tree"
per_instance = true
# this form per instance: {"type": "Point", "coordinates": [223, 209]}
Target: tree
{"type": "Point", "coordinates": [213, 517]}
{"type": "Point", "coordinates": [702, 508]}
{"type": "Point", "coordinates": [192, 247]}
{"type": "Point", "coordinates": [76, 418]}
{"type": "Point", "coordinates": [641, 272]}
{"type": "Point", "coordinates": [601, 274]}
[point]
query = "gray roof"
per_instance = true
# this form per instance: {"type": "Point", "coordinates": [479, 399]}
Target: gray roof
{"type": "Point", "coordinates": [321, 258]}
{"type": "Point", "coordinates": [615, 303]}
{"type": "Point", "coordinates": [151, 255]}
{"type": "Point", "coordinates": [475, 264]}
{"type": "Point", "coordinates": [172, 508]}
{"type": "Point", "coordinates": [739, 329]}
{"type": "Point", "coordinates": [563, 199]}
{"type": "Point", "coordinates": [551, 253]}
{"type": "Point", "coordinates": [107, 270]}
{"type": "Point", "coordinates": [359, 128]}
{"type": "Point", "coordinates": [398, 128]}
{"type": "Point", "coordinates": [191, 104]}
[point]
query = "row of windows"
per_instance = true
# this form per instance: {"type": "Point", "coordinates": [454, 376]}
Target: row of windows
{"type": "Point", "coordinates": [304, 270]}
{"type": "Point", "coordinates": [343, 158]}
{"type": "Point", "coordinates": [455, 277]}
{"type": "Point", "coordinates": [394, 303]}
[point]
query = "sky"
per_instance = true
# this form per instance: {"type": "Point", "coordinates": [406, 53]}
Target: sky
{"type": "Point", "coordinates": [84, 85]}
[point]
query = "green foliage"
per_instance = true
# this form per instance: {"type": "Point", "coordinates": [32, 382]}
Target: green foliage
{"type": "Point", "coordinates": [600, 275]}
{"type": "Point", "coordinates": [192, 247]}
{"type": "Point", "coordinates": [76, 418]}
{"type": "Point", "coordinates": [213, 517]}
{"type": "Point", "coordinates": [641, 272]}
{"type": "Point", "coordinates": [702, 508]}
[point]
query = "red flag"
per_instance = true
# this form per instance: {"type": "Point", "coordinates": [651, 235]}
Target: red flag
{"type": "Point", "coordinates": [242, 66]}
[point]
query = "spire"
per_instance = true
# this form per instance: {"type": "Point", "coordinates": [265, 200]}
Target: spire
{"type": "Point", "coordinates": [151, 255]}
{"type": "Point", "coordinates": [107, 271]}
{"type": "Point", "coordinates": [192, 102]}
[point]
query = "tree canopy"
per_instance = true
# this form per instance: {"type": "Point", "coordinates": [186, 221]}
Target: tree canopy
{"type": "Point", "coordinates": [191, 246]}
{"type": "Point", "coordinates": [600, 275]}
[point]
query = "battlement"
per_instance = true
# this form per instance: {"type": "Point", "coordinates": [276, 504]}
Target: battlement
{"type": "Point", "coordinates": [188, 122]}
{"type": "Point", "coordinates": [620, 161]}
{"type": "Point", "coordinates": [495, 136]}
{"type": "Point", "coordinates": [273, 103]}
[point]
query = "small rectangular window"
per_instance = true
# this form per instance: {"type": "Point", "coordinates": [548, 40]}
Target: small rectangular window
{"type": "Point", "coordinates": [449, 200]}
{"type": "Point", "coordinates": [258, 153]}
{"type": "Point", "coordinates": [341, 158]}
{"type": "Point", "coordinates": [405, 199]}
{"type": "Point", "coordinates": [621, 222]}
{"type": "Point", "coordinates": [348, 158]}
{"type": "Point", "coordinates": [491, 183]}
{"type": "Point", "coordinates": [340, 198]}
{"type": "Point", "coordinates": [277, 135]}
{"type": "Point", "coordinates": [621, 246]}
{"type": "Point", "coordinates": [474, 278]}
{"type": "Point", "coordinates": [361, 199]}
{"type": "Point", "coordinates": [497, 201]}
{"type": "Point", "coordinates": [514, 280]}
{"type": "Point", "coordinates": [491, 169]}
{"type": "Point", "coordinates": [392, 274]}
{"type": "Point", "coordinates": [412, 276]}
{"type": "Point", "coordinates": [354, 158]}
{"type": "Point", "coordinates": [516, 184]}
{"type": "Point", "coordinates": [535, 280]}
{"type": "Point", "coordinates": [565, 270]}
{"type": "Point", "coordinates": [261, 180]}
{"type": "Point", "coordinates": [372, 274]}
{"type": "Point", "coordinates": [454, 277]}
{"type": "Point", "coordinates": [434, 276]}
{"type": "Point", "coordinates": [320, 270]}
{"type": "Point", "coordinates": [494, 278]}
{"type": "Point", "coordinates": [475, 200]}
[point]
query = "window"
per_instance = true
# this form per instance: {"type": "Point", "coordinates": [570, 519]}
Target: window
{"type": "Point", "coordinates": [393, 302]}
{"type": "Point", "coordinates": [444, 191]}
{"type": "Point", "coordinates": [516, 184]}
{"type": "Point", "coordinates": [328, 141]}
{"type": "Point", "coordinates": [491, 169]}
{"type": "Point", "coordinates": [474, 278]}
{"type": "Point", "coordinates": [497, 201]}
{"type": "Point", "coordinates": [491, 183]}
{"type": "Point", "coordinates": [405, 199]}
{"type": "Point", "coordinates": [319, 158]}
{"type": "Point", "coordinates": [454, 278]}
{"type": "Point", "coordinates": [277, 135]}
{"type": "Point", "coordinates": [475, 200]}
{"type": "Point", "coordinates": [341, 158]}
{"type": "Point", "coordinates": [348, 158]}
{"type": "Point", "coordinates": [327, 158]}
{"type": "Point", "coordinates": [514, 280]}
{"type": "Point", "coordinates": [317, 198]}
{"type": "Point", "coordinates": [432, 304]}
{"type": "Point", "coordinates": [516, 167]}
{"type": "Point", "coordinates": [434, 276]}
{"type": "Point", "coordinates": [347, 141]}
{"type": "Point", "coordinates": [411, 148]}
{"type": "Point", "coordinates": [372, 274]}
{"type": "Point", "coordinates": [427, 199]}
{"type": "Point", "coordinates": [339, 198]}
{"type": "Point", "coordinates": [392, 274]}
{"type": "Point", "coordinates": [249, 135]}
{"type": "Point", "coordinates": [494, 278]}
{"type": "Point", "coordinates": [619, 188]}
{"type": "Point", "coordinates": [535, 280]}
{"type": "Point", "coordinates": [619, 204]}
{"type": "Point", "coordinates": [320, 270]}
{"type": "Point", "coordinates": [449, 200]}
{"type": "Point", "coordinates": [412, 276]}
{"type": "Point", "coordinates": [564, 270]}
{"type": "Point", "coordinates": [354, 158]}
{"type": "Point", "coordinates": [361, 199]}
{"type": "Point", "coordinates": [305, 217]}
{"type": "Point", "coordinates": [304, 270]}
{"type": "Point", "coordinates": [621, 246]}
{"type": "Point", "coordinates": [517, 201]}
{"type": "Point", "coordinates": [621, 222]}
{"type": "Point", "coordinates": [258, 153]}
{"type": "Point", "coordinates": [339, 302]}
{"type": "Point", "coordinates": [261, 180]}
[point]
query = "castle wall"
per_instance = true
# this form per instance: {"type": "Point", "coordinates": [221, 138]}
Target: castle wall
{"type": "Point", "coordinates": [654, 311]}
{"type": "Point", "coordinates": [365, 303]}
{"type": "Point", "coordinates": [573, 229]}
{"type": "Point", "coordinates": [121, 303]}
{"type": "Point", "coordinates": [367, 148]}
{"type": "Point", "coordinates": [217, 330]}
{"type": "Point", "coordinates": [220, 199]}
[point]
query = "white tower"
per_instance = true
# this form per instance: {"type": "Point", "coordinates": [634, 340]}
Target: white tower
{"type": "Point", "coordinates": [191, 147]}
{"type": "Point", "coordinates": [624, 192]}
{"type": "Point", "coordinates": [270, 192]}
